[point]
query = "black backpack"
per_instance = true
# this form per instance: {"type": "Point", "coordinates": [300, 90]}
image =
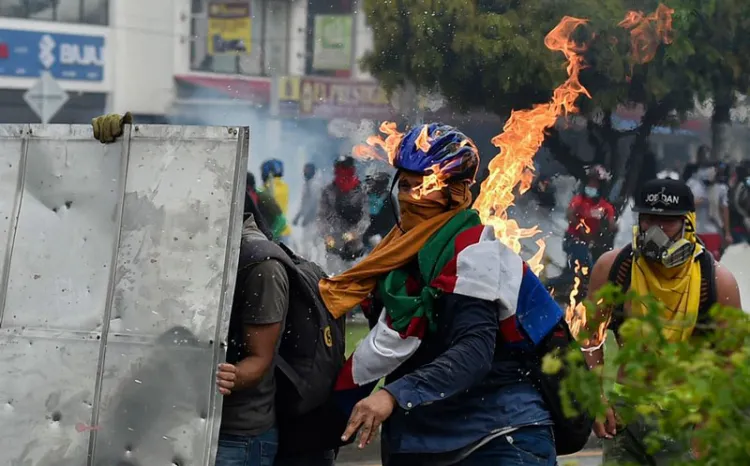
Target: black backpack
{"type": "Point", "coordinates": [571, 433]}
{"type": "Point", "coordinates": [310, 355]}
{"type": "Point", "coordinates": [619, 275]}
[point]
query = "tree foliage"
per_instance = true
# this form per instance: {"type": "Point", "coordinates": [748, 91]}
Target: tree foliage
{"type": "Point", "coordinates": [490, 54]}
{"type": "Point", "coordinates": [703, 382]}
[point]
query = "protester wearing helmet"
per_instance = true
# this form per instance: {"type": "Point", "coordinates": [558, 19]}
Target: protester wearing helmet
{"type": "Point", "coordinates": [343, 216]}
{"type": "Point", "coordinates": [268, 209]}
{"type": "Point", "coordinates": [667, 261]}
{"type": "Point", "coordinates": [272, 172]}
{"type": "Point", "coordinates": [444, 281]}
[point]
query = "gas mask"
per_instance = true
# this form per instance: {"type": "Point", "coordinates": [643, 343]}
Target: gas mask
{"type": "Point", "coordinates": [655, 245]}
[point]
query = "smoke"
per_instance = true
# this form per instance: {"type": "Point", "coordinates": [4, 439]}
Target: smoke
{"type": "Point", "coordinates": [295, 141]}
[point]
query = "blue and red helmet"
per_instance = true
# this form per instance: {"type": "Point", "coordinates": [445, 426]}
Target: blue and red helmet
{"type": "Point", "coordinates": [451, 150]}
{"type": "Point", "coordinates": [271, 167]}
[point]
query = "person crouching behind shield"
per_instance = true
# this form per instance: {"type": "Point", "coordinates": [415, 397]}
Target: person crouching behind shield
{"type": "Point", "coordinates": [449, 397]}
{"type": "Point", "coordinates": [667, 261]}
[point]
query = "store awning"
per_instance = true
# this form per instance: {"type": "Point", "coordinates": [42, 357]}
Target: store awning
{"type": "Point", "coordinates": [254, 90]}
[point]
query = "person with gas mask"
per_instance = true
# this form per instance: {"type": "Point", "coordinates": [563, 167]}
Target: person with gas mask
{"type": "Point", "coordinates": [343, 216]}
{"type": "Point", "coordinates": [453, 394]}
{"type": "Point", "coordinates": [667, 261]}
{"type": "Point", "coordinates": [383, 213]}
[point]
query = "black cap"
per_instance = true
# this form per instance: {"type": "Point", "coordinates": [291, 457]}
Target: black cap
{"type": "Point", "coordinates": [664, 197]}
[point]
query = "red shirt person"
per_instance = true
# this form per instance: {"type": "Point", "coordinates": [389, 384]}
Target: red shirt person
{"type": "Point", "coordinates": [586, 213]}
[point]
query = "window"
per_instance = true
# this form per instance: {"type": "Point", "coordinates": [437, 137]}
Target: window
{"type": "Point", "coordinates": [67, 11]}
{"type": "Point", "coordinates": [252, 42]}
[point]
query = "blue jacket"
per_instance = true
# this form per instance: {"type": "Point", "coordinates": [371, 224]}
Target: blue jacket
{"type": "Point", "coordinates": [460, 386]}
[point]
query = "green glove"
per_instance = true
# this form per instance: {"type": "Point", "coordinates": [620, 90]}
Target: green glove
{"type": "Point", "coordinates": [107, 128]}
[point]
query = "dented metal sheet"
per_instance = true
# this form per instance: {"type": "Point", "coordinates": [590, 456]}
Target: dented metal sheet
{"type": "Point", "coordinates": [117, 265]}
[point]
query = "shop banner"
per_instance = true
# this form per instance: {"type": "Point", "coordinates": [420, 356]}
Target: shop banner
{"type": "Point", "coordinates": [333, 43]}
{"type": "Point", "coordinates": [229, 27]}
{"type": "Point", "coordinates": [332, 98]}
{"type": "Point", "coordinates": [27, 54]}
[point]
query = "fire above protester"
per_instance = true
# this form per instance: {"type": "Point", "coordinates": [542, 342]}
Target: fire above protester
{"type": "Point", "coordinates": [524, 133]}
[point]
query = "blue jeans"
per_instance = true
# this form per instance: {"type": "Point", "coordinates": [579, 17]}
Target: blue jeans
{"type": "Point", "coordinates": [236, 450]}
{"type": "Point", "coordinates": [527, 446]}
{"type": "Point", "coordinates": [323, 458]}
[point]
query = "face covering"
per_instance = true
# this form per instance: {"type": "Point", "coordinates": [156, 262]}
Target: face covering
{"type": "Point", "coordinates": [415, 211]}
{"type": "Point", "coordinates": [656, 246]}
{"type": "Point", "coordinates": [591, 191]}
{"type": "Point", "coordinates": [345, 179]}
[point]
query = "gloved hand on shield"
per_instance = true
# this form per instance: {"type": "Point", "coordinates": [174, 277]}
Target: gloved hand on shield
{"type": "Point", "coordinates": [109, 127]}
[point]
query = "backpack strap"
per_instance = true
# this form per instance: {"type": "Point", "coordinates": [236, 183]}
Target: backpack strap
{"type": "Point", "coordinates": [708, 292]}
{"type": "Point", "coordinates": [619, 274]}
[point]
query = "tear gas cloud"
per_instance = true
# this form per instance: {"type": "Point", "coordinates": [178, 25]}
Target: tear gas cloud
{"type": "Point", "coordinates": [295, 141]}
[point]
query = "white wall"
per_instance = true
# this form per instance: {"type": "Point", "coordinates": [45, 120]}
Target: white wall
{"type": "Point", "coordinates": [62, 28]}
{"type": "Point", "coordinates": [146, 38]}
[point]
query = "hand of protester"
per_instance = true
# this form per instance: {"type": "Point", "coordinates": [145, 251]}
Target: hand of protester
{"type": "Point", "coordinates": [109, 127]}
{"type": "Point", "coordinates": [728, 239]}
{"type": "Point", "coordinates": [696, 452]}
{"type": "Point", "coordinates": [225, 377]}
{"type": "Point", "coordinates": [608, 428]}
{"type": "Point", "coordinates": [368, 415]}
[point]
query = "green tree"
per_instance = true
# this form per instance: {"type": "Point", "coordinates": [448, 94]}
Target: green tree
{"type": "Point", "coordinates": [490, 54]}
{"type": "Point", "coordinates": [702, 382]}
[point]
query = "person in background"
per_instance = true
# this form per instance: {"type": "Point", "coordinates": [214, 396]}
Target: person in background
{"type": "Point", "coordinates": [545, 191]}
{"type": "Point", "coordinates": [711, 205]}
{"type": "Point", "coordinates": [343, 216]}
{"type": "Point", "coordinates": [308, 209]}
{"type": "Point", "coordinates": [589, 214]}
{"type": "Point", "coordinates": [272, 173]}
{"type": "Point", "coordinates": [383, 213]}
{"type": "Point", "coordinates": [739, 203]}
{"type": "Point", "coordinates": [718, 201]}
{"type": "Point", "coordinates": [268, 208]}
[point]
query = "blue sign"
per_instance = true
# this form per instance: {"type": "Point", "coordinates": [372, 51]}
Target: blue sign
{"type": "Point", "coordinates": [65, 56]}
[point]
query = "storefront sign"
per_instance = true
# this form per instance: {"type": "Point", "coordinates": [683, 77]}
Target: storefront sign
{"type": "Point", "coordinates": [332, 98]}
{"type": "Point", "coordinates": [229, 27]}
{"type": "Point", "coordinates": [333, 43]}
{"type": "Point", "coordinates": [65, 56]}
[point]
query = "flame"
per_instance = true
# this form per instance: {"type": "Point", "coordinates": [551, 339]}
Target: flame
{"type": "Point", "coordinates": [379, 148]}
{"type": "Point", "coordinates": [422, 141]}
{"type": "Point", "coordinates": [575, 313]}
{"type": "Point", "coordinates": [523, 135]}
{"type": "Point", "coordinates": [520, 140]}
{"type": "Point", "coordinates": [434, 181]}
{"type": "Point", "coordinates": [582, 224]}
{"type": "Point", "coordinates": [647, 32]}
